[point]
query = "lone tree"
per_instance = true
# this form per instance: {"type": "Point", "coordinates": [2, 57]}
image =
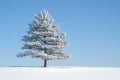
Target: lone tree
{"type": "Point", "coordinates": [44, 40]}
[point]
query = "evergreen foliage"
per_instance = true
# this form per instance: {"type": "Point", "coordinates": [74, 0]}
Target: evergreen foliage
{"type": "Point", "coordinates": [44, 40]}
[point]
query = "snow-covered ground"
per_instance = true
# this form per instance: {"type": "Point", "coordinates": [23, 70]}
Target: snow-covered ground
{"type": "Point", "coordinates": [59, 73]}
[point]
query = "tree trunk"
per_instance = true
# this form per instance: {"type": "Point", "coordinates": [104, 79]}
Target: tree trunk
{"type": "Point", "coordinates": [45, 62]}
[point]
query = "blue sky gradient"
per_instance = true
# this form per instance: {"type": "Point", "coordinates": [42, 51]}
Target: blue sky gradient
{"type": "Point", "coordinates": [92, 27]}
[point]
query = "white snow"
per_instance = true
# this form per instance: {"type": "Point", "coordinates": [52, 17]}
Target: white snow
{"type": "Point", "coordinates": [59, 73]}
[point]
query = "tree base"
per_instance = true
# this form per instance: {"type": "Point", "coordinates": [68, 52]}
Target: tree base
{"type": "Point", "coordinates": [45, 63]}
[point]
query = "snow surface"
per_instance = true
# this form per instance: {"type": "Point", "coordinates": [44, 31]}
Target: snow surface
{"type": "Point", "coordinates": [59, 73]}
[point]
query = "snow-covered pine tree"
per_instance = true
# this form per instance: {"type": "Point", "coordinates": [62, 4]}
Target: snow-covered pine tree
{"type": "Point", "coordinates": [44, 40]}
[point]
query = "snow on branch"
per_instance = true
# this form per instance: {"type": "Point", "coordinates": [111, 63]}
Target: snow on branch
{"type": "Point", "coordinates": [49, 57]}
{"type": "Point", "coordinates": [25, 54]}
{"type": "Point", "coordinates": [44, 33]}
{"type": "Point", "coordinates": [33, 43]}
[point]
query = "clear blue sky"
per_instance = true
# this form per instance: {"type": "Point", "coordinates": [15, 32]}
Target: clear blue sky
{"type": "Point", "coordinates": [92, 27]}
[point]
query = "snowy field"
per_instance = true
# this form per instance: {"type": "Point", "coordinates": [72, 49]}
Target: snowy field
{"type": "Point", "coordinates": [59, 73]}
